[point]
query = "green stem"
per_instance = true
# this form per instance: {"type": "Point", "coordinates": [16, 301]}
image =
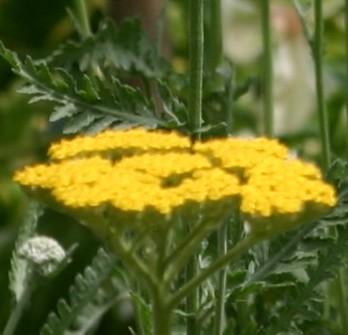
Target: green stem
{"type": "Point", "coordinates": [192, 301]}
{"type": "Point", "coordinates": [138, 313]}
{"type": "Point", "coordinates": [342, 300]}
{"type": "Point", "coordinates": [221, 290]}
{"type": "Point", "coordinates": [133, 263]}
{"type": "Point", "coordinates": [267, 70]}
{"type": "Point", "coordinates": [316, 46]}
{"type": "Point", "coordinates": [343, 308]}
{"type": "Point", "coordinates": [306, 31]}
{"type": "Point", "coordinates": [161, 314]}
{"type": "Point", "coordinates": [233, 254]}
{"type": "Point", "coordinates": [325, 141]}
{"type": "Point", "coordinates": [84, 29]}
{"type": "Point", "coordinates": [160, 26]}
{"type": "Point", "coordinates": [228, 102]}
{"type": "Point", "coordinates": [340, 287]}
{"type": "Point", "coordinates": [155, 285]}
{"type": "Point", "coordinates": [214, 35]}
{"type": "Point", "coordinates": [196, 66]}
{"type": "Point", "coordinates": [317, 49]}
{"type": "Point", "coordinates": [20, 306]}
{"type": "Point", "coordinates": [346, 42]}
{"type": "Point", "coordinates": [81, 13]}
{"type": "Point", "coordinates": [180, 255]}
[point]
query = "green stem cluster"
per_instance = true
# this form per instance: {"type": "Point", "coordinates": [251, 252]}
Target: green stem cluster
{"type": "Point", "coordinates": [233, 254]}
{"type": "Point", "coordinates": [160, 278]}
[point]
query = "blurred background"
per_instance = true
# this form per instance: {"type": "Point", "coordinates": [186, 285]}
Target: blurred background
{"type": "Point", "coordinates": [38, 27]}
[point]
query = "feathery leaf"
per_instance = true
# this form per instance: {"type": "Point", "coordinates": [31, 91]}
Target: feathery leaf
{"type": "Point", "coordinates": [19, 266]}
{"type": "Point", "coordinates": [86, 291]}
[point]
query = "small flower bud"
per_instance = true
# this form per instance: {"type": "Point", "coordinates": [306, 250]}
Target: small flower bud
{"type": "Point", "coordinates": [44, 253]}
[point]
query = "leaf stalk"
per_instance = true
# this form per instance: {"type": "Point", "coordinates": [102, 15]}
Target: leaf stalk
{"type": "Point", "coordinates": [239, 249]}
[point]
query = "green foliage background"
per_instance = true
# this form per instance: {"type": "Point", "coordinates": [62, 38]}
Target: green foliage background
{"type": "Point", "coordinates": [25, 134]}
{"type": "Point", "coordinates": [35, 29]}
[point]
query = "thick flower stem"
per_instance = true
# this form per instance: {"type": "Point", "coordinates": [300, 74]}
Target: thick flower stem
{"type": "Point", "coordinates": [267, 70]}
{"type": "Point", "coordinates": [161, 314]}
{"type": "Point", "coordinates": [196, 66]}
{"type": "Point", "coordinates": [233, 254]}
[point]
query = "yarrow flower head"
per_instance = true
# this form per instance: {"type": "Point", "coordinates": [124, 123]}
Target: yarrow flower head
{"type": "Point", "coordinates": [136, 176]}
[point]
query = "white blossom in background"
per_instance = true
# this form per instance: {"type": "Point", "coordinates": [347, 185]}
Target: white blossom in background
{"type": "Point", "coordinates": [293, 72]}
{"type": "Point", "coordinates": [44, 253]}
{"type": "Point", "coordinates": [294, 93]}
{"type": "Point", "coordinates": [241, 31]}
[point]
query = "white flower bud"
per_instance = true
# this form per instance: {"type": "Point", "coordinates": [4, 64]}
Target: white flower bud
{"type": "Point", "coordinates": [44, 253]}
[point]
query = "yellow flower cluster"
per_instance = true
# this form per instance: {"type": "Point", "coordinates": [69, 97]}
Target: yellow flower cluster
{"type": "Point", "coordinates": [284, 187]}
{"type": "Point", "coordinates": [137, 169]}
{"type": "Point", "coordinates": [118, 142]}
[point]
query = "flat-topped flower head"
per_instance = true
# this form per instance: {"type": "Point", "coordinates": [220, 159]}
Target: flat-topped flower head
{"type": "Point", "coordinates": [140, 171]}
{"type": "Point", "coordinates": [242, 152]}
{"type": "Point", "coordinates": [284, 187]}
{"type": "Point", "coordinates": [134, 140]}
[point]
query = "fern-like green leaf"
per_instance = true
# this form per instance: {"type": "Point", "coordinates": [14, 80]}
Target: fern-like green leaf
{"type": "Point", "coordinates": [305, 302]}
{"type": "Point", "coordinates": [122, 48]}
{"type": "Point", "coordinates": [91, 314]}
{"type": "Point", "coordinates": [85, 100]}
{"type": "Point", "coordinates": [84, 293]}
{"type": "Point", "coordinates": [171, 105]}
{"type": "Point", "coordinates": [19, 266]}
